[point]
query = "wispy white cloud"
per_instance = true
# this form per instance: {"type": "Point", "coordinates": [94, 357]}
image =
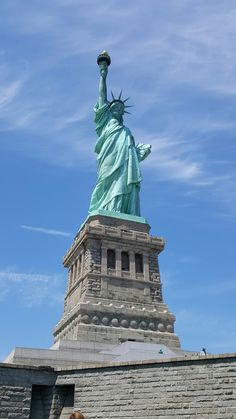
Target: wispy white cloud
{"type": "Point", "coordinates": [189, 259]}
{"type": "Point", "coordinates": [208, 289]}
{"type": "Point", "coordinates": [8, 92]}
{"type": "Point", "coordinates": [66, 120]}
{"type": "Point", "coordinates": [30, 288]}
{"type": "Point", "coordinates": [3, 293]}
{"type": "Point", "coordinates": [171, 158]}
{"type": "Point", "coordinates": [227, 215]}
{"type": "Point", "coordinates": [22, 277]}
{"type": "Point", "coordinates": [176, 158]}
{"type": "Point", "coordinates": [46, 231]}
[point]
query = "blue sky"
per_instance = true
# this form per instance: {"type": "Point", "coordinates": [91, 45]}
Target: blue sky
{"type": "Point", "coordinates": [176, 59]}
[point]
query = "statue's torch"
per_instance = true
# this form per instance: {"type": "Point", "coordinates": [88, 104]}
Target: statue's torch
{"type": "Point", "coordinates": [104, 57]}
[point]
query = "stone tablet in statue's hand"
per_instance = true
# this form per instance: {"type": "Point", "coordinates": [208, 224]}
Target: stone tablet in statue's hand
{"type": "Point", "coordinates": [143, 150]}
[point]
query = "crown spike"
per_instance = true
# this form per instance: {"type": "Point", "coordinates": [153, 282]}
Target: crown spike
{"type": "Point", "coordinates": [127, 112]}
{"type": "Point", "coordinates": [126, 99]}
{"type": "Point", "coordinates": [128, 106]}
{"type": "Point", "coordinates": [113, 97]}
{"type": "Point", "coordinates": [120, 94]}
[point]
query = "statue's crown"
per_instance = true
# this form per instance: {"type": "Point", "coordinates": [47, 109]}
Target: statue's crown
{"type": "Point", "coordinates": [118, 99]}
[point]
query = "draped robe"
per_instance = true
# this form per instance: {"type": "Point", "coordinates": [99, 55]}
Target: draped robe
{"type": "Point", "coordinates": [118, 165]}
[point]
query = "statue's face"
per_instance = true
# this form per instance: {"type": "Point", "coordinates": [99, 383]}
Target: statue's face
{"type": "Point", "coordinates": [117, 109]}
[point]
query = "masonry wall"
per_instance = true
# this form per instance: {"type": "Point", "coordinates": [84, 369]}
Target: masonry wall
{"type": "Point", "coordinates": [16, 386]}
{"type": "Point", "coordinates": [193, 387]}
{"type": "Point", "coordinates": [202, 388]}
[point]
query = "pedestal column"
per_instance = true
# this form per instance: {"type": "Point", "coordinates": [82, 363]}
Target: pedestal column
{"type": "Point", "coordinates": [118, 262]}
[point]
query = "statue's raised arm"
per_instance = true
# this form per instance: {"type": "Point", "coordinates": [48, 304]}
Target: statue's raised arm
{"type": "Point", "coordinates": [118, 158]}
{"type": "Point", "coordinates": [103, 61]}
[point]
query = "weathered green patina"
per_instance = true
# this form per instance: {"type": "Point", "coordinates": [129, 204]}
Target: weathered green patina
{"type": "Point", "coordinates": [118, 158]}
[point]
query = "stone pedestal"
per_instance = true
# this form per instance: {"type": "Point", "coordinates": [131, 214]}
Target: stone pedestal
{"type": "Point", "coordinates": [114, 309]}
{"type": "Point", "coordinates": [114, 288]}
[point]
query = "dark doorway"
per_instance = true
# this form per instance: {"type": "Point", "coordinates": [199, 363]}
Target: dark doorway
{"type": "Point", "coordinates": [48, 399]}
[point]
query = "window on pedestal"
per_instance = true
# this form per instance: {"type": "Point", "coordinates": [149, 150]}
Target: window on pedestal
{"type": "Point", "coordinates": [111, 259]}
{"type": "Point", "coordinates": [139, 263]}
{"type": "Point", "coordinates": [80, 265]}
{"type": "Point", "coordinates": [125, 261]}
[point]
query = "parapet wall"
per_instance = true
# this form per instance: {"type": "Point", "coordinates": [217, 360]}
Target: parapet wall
{"type": "Point", "coordinates": [194, 387]}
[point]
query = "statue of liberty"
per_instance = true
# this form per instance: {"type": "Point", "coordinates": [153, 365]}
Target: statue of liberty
{"type": "Point", "coordinates": [118, 158]}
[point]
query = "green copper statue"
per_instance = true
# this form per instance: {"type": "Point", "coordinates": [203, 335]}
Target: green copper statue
{"type": "Point", "coordinates": [118, 158]}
